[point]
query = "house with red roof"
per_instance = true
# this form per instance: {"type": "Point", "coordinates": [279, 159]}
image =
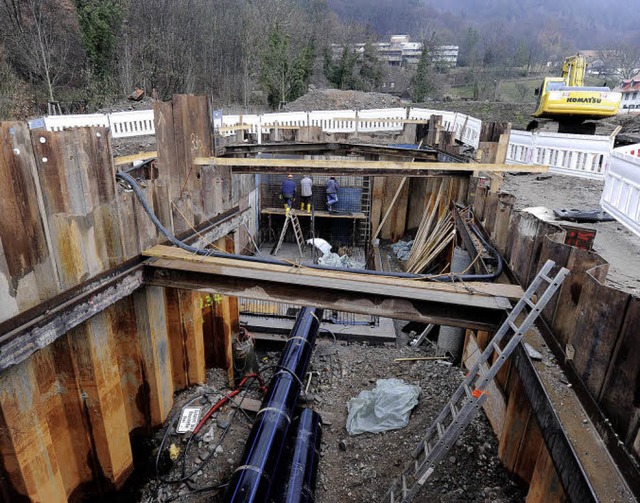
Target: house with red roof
{"type": "Point", "coordinates": [630, 89]}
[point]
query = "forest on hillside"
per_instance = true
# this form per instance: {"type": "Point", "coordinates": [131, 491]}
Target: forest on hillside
{"type": "Point", "coordinates": [86, 54]}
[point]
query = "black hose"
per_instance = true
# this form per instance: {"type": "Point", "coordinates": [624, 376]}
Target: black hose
{"type": "Point", "coordinates": [263, 260]}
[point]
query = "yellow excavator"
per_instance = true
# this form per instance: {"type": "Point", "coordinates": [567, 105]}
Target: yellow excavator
{"type": "Point", "coordinates": [567, 99]}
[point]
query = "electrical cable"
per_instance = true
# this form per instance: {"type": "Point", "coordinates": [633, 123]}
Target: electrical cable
{"type": "Point", "coordinates": [264, 260]}
{"type": "Point", "coordinates": [184, 477]}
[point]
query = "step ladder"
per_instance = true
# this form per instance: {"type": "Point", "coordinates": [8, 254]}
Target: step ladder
{"type": "Point", "coordinates": [471, 394]}
{"type": "Point", "coordinates": [297, 231]}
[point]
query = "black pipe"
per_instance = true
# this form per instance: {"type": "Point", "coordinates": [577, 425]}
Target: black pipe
{"type": "Point", "coordinates": [300, 470]}
{"type": "Point", "coordinates": [264, 260]}
{"type": "Point", "coordinates": [252, 480]}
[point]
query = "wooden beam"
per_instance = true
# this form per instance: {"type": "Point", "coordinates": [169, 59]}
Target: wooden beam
{"type": "Point", "coordinates": [128, 159]}
{"type": "Point", "coordinates": [343, 167]}
{"type": "Point", "coordinates": [407, 299]}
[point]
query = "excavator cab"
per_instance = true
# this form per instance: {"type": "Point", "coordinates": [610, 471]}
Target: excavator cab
{"type": "Point", "coordinates": [566, 97]}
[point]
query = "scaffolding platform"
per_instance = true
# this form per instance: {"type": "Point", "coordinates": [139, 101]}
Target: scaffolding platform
{"type": "Point", "coordinates": [356, 215]}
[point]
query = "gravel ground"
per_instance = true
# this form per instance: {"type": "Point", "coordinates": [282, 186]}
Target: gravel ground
{"type": "Point", "coordinates": [614, 242]}
{"type": "Point", "coordinates": [358, 468]}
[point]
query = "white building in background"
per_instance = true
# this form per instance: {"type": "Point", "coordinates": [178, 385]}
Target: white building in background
{"type": "Point", "coordinates": [630, 89]}
{"type": "Point", "coordinates": [400, 51]}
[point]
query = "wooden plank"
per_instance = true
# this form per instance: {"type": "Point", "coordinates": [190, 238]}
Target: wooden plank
{"type": "Point", "coordinates": [601, 311]}
{"type": "Point", "coordinates": [501, 229]}
{"type": "Point", "coordinates": [65, 413]}
{"type": "Point", "coordinates": [98, 381]}
{"type": "Point", "coordinates": [78, 187]}
{"type": "Point", "coordinates": [559, 253]}
{"type": "Point", "coordinates": [520, 440]}
{"type": "Point", "coordinates": [326, 298]}
{"type": "Point", "coordinates": [317, 214]}
{"type": "Point", "coordinates": [483, 294]}
{"type": "Point", "coordinates": [400, 224]}
{"type": "Point", "coordinates": [622, 384]}
{"type": "Point", "coordinates": [377, 196]}
{"type": "Point", "coordinates": [391, 207]}
{"type": "Point", "coordinates": [130, 159]}
{"type": "Point", "coordinates": [26, 446]}
{"type": "Point", "coordinates": [135, 387]}
{"type": "Point", "coordinates": [346, 166]}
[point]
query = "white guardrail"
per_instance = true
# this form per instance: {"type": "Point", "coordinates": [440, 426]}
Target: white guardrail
{"type": "Point", "coordinates": [584, 156]}
{"type": "Point", "coordinates": [122, 124]}
{"type": "Point", "coordinates": [140, 122]}
{"type": "Point", "coordinates": [621, 194]}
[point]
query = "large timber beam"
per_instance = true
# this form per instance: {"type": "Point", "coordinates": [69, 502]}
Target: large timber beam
{"type": "Point", "coordinates": [470, 306]}
{"type": "Point", "coordinates": [359, 167]}
{"type": "Point", "coordinates": [427, 154]}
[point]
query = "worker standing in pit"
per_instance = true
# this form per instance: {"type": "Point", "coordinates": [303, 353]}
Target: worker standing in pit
{"type": "Point", "coordinates": [306, 191]}
{"type": "Point", "coordinates": [288, 192]}
{"type": "Point", "coordinates": [332, 192]}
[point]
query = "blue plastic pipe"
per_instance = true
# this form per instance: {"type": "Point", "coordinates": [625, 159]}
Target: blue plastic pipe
{"type": "Point", "coordinates": [252, 480]}
{"type": "Point", "coordinates": [299, 467]}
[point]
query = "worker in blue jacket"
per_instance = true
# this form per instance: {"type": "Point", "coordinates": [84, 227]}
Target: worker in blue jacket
{"type": "Point", "coordinates": [288, 191]}
{"type": "Point", "coordinates": [332, 192]}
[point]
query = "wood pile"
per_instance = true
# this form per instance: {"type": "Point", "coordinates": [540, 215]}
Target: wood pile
{"type": "Point", "coordinates": [435, 233]}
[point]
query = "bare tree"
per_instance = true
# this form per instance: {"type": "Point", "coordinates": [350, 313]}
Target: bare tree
{"type": "Point", "coordinates": [40, 39]}
{"type": "Point", "coordinates": [621, 60]}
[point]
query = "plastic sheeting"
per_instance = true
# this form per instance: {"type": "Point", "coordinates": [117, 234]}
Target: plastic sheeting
{"type": "Point", "coordinates": [335, 260]}
{"type": "Point", "coordinates": [386, 407]}
{"type": "Point", "coordinates": [402, 249]}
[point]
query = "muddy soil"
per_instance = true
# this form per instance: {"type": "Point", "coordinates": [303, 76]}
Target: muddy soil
{"type": "Point", "coordinates": [358, 468]}
{"type": "Point", "coordinates": [614, 242]}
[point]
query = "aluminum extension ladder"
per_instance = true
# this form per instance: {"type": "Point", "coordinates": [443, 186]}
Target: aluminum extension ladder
{"type": "Point", "coordinates": [471, 394]}
{"type": "Point", "coordinates": [297, 230]}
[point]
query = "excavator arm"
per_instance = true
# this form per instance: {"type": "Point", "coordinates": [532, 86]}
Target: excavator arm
{"type": "Point", "coordinates": [573, 70]}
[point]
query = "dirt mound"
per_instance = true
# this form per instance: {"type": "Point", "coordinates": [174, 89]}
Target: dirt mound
{"type": "Point", "coordinates": [334, 99]}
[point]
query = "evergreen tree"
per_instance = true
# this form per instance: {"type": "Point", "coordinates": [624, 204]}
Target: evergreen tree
{"type": "Point", "coordinates": [423, 82]}
{"type": "Point", "coordinates": [100, 22]}
{"type": "Point", "coordinates": [371, 71]}
{"type": "Point", "coordinates": [284, 75]}
{"type": "Point", "coordinates": [341, 73]}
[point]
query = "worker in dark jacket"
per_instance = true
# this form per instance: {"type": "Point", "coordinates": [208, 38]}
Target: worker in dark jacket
{"type": "Point", "coordinates": [332, 192]}
{"type": "Point", "coordinates": [288, 191]}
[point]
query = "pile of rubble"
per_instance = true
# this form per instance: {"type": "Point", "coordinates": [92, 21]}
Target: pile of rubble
{"type": "Point", "coordinates": [334, 99]}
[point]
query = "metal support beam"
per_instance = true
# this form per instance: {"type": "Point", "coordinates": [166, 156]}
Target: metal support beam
{"type": "Point", "coordinates": [38, 327]}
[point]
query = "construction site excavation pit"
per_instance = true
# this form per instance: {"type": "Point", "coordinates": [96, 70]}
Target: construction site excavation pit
{"type": "Point", "coordinates": [351, 468]}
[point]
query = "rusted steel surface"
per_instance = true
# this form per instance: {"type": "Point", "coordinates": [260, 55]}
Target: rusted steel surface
{"type": "Point", "coordinates": [85, 365]}
{"type": "Point", "coordinates": [27, 273]}
{"type": "Point", "coordinates": [40, 330]}
{"type": "Point", "coordinates": [589, 327]}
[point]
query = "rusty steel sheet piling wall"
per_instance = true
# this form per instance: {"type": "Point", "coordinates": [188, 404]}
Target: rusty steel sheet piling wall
{"type": "Point", "coordinates": [591, 324]}
{"type": "Point", "coordinates": [78, 389]}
